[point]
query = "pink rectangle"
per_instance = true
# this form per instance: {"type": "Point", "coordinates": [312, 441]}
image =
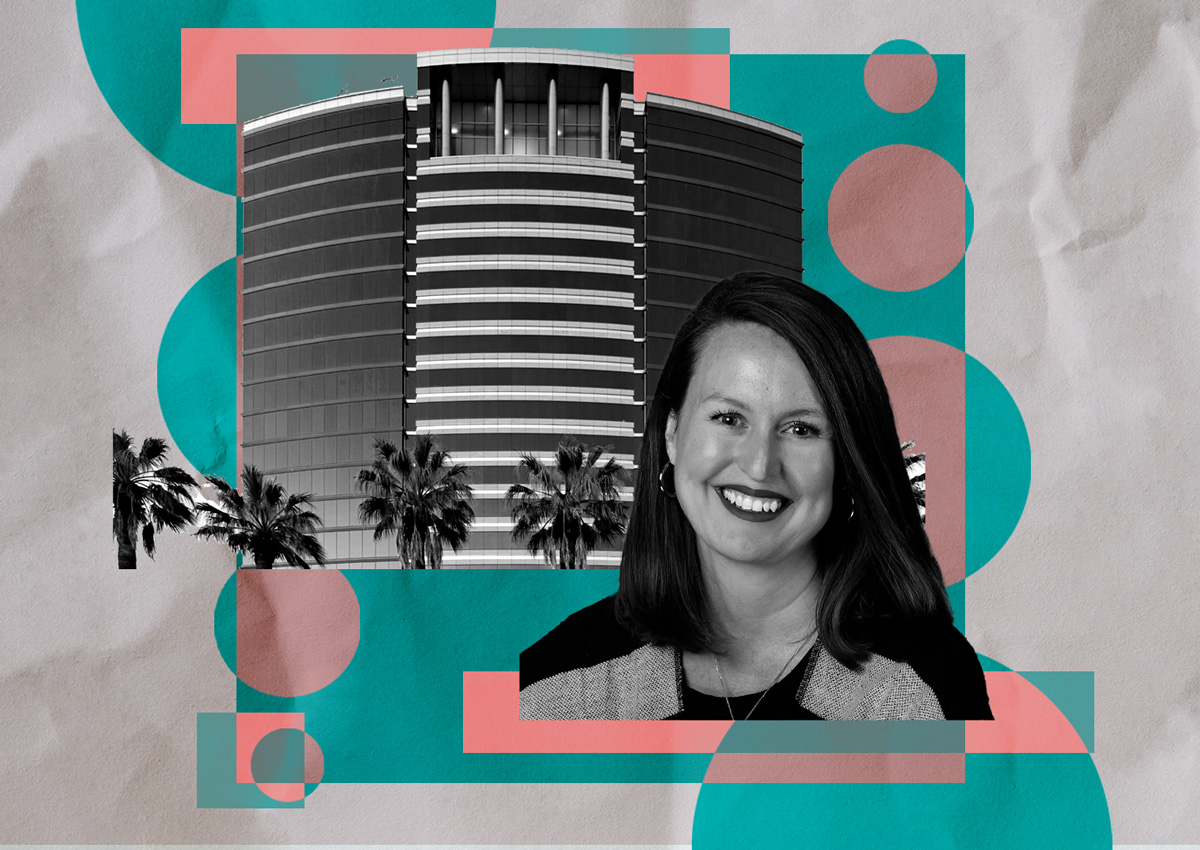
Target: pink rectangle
{"type": "Point", "coordinates": [239, 332]}
{"type": "Point", "coordinates": [1027, 721]}
{"type": "Point", "coordinates": [208, 57]}
{"type": "Point", "coordinates": [492, 724]}
{"type": "Point", "coordinates": [702, 78]}
{"type": "Point", "coordinates": [252, 728]}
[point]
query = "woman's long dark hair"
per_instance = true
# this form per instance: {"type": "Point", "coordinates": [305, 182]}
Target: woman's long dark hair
{"type": "Point", "coordinates": [876, 567]}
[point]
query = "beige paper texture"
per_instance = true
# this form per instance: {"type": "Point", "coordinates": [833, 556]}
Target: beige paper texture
{"type": "Point", "coordinates": [1083, 123]}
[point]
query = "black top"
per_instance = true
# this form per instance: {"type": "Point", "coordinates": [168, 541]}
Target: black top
{"type": "Point", "coordinates": [779, 702]}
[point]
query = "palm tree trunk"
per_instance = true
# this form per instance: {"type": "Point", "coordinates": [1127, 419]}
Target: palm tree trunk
{"type": "Point", "coordinates": [126, 553]}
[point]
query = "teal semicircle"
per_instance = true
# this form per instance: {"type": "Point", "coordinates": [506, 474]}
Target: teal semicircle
{"type": "Point", "coordinates": [225, 622]}
{"type": "Point", "coordinates": [901, 46]}
{"type": "Point", "coordinates": [197, 373]}
{"type": "Point", "coordinates": [999, 465]}
{"type": "Point", "coordinates": [133, 50]}
{"type": "Point", "coordinates": [1027, 800]}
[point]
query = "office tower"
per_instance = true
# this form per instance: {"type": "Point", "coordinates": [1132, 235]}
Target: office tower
{"type": "Point", "coordinates": [501, 260]}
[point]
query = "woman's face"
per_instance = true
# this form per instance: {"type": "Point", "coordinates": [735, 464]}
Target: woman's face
{"type": "Point", "coordinates": [753, 451]}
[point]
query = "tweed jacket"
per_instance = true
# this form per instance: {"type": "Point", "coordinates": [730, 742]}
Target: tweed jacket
{"type": "Point", "coordinates": [590, 667]}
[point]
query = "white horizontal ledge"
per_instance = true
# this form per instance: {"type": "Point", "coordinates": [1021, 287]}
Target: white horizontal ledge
{"type": "Point", "coordinates": [517, 327]}
{"type": "Point", "coordinates": [523, 294]}
{"type": "Point", "coordinates": [599, 363]}
{"type": "Point", "coordinates": [575, 427]}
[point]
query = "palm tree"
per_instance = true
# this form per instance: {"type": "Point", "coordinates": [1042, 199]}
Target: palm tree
{"type": "Point", "coordinates": [568, 507]}
{"type": "Point", "coordinates": [419, 496]}
{"type": "Point", "coordinates": [146, 496]}
{"type": "Point", "coordinates": [266, 522]}
{"type": "Point", "coordinates": [915, 465]}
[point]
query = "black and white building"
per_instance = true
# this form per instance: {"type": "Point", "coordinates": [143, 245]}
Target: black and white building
{"type": "Point", "coordinates": [501, 260]}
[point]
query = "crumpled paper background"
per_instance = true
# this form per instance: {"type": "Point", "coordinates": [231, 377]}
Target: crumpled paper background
{"type": "Point", "coordinates": [1083, 123]}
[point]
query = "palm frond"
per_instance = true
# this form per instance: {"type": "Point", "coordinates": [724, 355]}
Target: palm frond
{"type": "Point", "coordinates": [147, 495]}
{"type": "Point", "coordinates": [122, 443]}
{"type": "Point", "coordinates": [148, 539]}
{"type": "Point", "coordinates": [551, 512]}
{"type": "Point", "coordinates": [266, 522]}
{"type": "Point", "coordinates": [417, 494]}
{"type": "Point", "coordinates": [153, 452]}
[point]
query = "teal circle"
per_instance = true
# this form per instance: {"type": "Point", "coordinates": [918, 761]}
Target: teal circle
{"type": "Point", "coordinates": [999, 465]}
{"type": "Point", "coordinates": [197, 373]}
{"type": "Point", "coordinates": [1027, 800]}
{"type": "Point", "coordinates": [133, 50]}
{"type": "Point", "coordinates": [899, 46]}
{"type": "Point", "coordinates": [225, 623]}
{"type": "Point", "coordinates": [991, 665]}
{"type": "Point", "coordinates": [279, 757]}
{"type": "Point", "coordinates": [968, 217]}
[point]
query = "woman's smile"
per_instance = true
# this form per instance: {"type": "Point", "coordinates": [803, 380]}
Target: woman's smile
{"type": "Point", "coordinates": [752, 505]}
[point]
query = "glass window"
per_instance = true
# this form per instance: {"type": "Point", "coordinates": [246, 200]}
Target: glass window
{"type": "Point", "coordinates": [526, 128]}
{"type": "Point", "coordinates": [579, 129]}
{"type": "Point", "coordinates": [472, 128]}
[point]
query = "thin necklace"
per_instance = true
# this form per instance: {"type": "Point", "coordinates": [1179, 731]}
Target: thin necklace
{"type": "Point", "coordinates": [774, 682]}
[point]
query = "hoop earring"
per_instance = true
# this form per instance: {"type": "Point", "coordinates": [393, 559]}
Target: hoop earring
{"type": "Point", "coordinates": [851, 510]}
{"type": "Point", "coordinates": [662, 480]}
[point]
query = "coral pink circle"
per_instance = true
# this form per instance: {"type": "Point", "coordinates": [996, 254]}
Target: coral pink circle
{"type": "Point", "coordinates": [284, 792]}
{"type": "Point", "coordinates": [314, 771]}
{"type": "Point", "coordinates": [897, 218]}
{"type": "Point", "coordinates": [314, 760]}
{"type": "Point", "coordinates": [297, 630]}
{"type": "Point", "coordinates": [926, 381]}
{"type": "Point", "coordinates": [900, 82]}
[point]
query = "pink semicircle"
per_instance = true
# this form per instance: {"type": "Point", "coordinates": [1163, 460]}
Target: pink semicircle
{"type": "Point", "coordinates": [297, 630]}
{"type": "Point", "coordinates": [926, 381]}
{"type": "Point", "coordinates": [1027, 721]}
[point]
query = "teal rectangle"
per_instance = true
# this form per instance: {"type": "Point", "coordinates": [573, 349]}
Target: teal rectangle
{"type": "Point", "coordinates": [957, 593]}
{"type": "Point", "coordinates": [618, 40]}
{"type": "Point", "coordinates": [845, 736]}
{"type": "Point", "coordinates": [268, 83]}
{"type": "Point", "coordinates": [1074, 693]}
{"type": "Point", "coordinates": [823, 97]}
{"type": "Point", "coordinates": [396, 713]}
{"type": "Point", "coordinates": [216, 768]}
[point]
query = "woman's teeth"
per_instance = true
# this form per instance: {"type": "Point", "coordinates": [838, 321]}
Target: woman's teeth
{"type": "Point", "coordinates": [750, 503]}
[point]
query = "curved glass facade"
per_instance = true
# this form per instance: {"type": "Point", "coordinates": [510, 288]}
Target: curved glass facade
{"type": "Point", "coordinates": [723, 195]}
{"type": "Point", "coordinates": [322, 306]}
{"type": "Point", "coordinates": [497, 261]}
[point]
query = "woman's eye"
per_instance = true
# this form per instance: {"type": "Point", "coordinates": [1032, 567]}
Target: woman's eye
{"type": "Point", "coordinates": [726, 418]}
{"type": "Point", "coordinates": [803, 429]}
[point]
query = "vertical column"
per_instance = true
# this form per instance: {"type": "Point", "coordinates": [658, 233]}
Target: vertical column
{"type": "Point", "coordinates": [499, 114]}
{"type": "Point", "coordinates": [604, 121]}
{"type": "Point", "coordinates": [552, 124]}
{"type": "Point", "coordinates": [446, 117]}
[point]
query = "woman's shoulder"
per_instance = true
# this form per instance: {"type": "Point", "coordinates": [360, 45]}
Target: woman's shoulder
{"type": "Point", "coordinates": [943, 658]}
{"type": "Point", "coordinates": [590, 667]}
{"type": "Point", "coordinates": [590, 636]}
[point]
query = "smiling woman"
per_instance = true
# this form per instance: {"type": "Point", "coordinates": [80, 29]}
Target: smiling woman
{"type": "Point", "coordinates": [775, 566]}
